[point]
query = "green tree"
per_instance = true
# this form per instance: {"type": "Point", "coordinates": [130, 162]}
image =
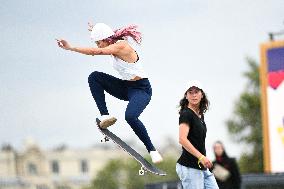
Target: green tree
{"type": "Point", "coordinates": [124, 174]}
{"type": "Point", "coordinates": [137, 182]}
{"type": "Point", "coordinates": [110, 177]}
{"type": "Point", "coordinates": [245, 125]}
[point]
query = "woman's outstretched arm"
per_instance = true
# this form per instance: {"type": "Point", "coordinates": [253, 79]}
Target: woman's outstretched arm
{"type": "Point", "coordinates": [109, 50]}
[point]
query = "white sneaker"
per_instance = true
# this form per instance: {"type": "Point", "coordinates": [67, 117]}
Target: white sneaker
{"type": "Point", "coordinates": [106, 121]}
{"type": "Point", "coordinates": [156, 157]}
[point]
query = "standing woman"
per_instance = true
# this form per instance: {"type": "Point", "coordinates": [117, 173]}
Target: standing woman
{"type": "Point", "coordinates": [192, 166]}
{"type": "Point", "coordinates": [225, 168]}
{"type": "Point", "coordinates": [134, 86]}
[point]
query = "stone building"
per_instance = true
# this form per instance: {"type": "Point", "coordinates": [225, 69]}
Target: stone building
{"type": "Point", "coordinates": [61, 168]}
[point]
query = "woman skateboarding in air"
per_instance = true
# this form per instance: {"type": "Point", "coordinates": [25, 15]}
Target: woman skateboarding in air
{"type": "Point", "coordinates": [133, 86]}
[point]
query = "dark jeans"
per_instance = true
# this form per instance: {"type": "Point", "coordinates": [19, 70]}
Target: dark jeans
{"type": "Point", "coordinates": [138, 93]}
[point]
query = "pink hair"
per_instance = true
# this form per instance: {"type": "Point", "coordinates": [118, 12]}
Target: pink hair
{"type": "Point", "coordinates": [124, 33]}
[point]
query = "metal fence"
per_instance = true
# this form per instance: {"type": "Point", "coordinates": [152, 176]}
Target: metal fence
{"type": "Point", "coordinates": [263, 181]}
{"type": "Point", "coordinates": [164, 185]}
{"type": "Point", "coordinates": [249, 181]}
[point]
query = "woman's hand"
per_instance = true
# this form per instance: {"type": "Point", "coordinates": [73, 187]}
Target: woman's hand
{"type": "Point", "coordinates": [90, 26]}
{"type": "Point", "coordinates": [206, 162]}
{"type": "Point", "coordinates": [63, 44]}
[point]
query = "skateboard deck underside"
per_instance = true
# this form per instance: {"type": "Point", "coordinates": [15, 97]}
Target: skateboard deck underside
{"type": "Point", "coordinates": [144, 163]}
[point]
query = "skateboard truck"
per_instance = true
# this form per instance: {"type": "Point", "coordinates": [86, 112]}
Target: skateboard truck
{"type": "Point", "coordinates": [142, 171]}
{"type": "Point", "coordinates": [105, 139]}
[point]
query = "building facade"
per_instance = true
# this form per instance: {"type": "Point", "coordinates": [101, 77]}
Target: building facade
{"type": "Point", "coordinates": [62, 168]}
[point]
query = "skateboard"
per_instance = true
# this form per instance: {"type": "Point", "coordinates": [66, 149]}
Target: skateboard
{"type": "Point", "coordinates": [145, 165]}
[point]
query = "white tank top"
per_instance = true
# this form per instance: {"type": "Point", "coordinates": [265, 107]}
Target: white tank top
{"type": "Point", "coordinates": [127, 70]}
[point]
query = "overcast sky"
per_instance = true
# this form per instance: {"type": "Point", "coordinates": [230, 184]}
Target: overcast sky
{"type": "Point", "coordinates": [44, 90]}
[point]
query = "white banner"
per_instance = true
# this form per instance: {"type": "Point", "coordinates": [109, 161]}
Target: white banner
{"type": "Point", "coordinates": [272, 74]}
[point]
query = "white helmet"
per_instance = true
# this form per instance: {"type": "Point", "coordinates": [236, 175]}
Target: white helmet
{"type": "Point", "coordinates": [101, 31]}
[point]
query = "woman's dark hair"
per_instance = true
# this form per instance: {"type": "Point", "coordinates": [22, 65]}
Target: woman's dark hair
{"type": "Point", "coordinates": [203, 106]}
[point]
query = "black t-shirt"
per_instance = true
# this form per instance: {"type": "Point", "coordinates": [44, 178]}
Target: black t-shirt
{"type": "Point", "coordinates": [196, 136]}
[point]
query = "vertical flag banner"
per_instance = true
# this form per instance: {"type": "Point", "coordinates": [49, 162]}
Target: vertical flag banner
{"type": "Point", "coordinates": [272, 103]}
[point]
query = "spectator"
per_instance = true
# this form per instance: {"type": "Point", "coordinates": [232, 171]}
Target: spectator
{"type": "Point", "coordinates": [225, 169]}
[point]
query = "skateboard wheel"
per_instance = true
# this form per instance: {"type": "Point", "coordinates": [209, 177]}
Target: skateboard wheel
{"type": "Point", "coordinates": [105, 139]}
{"type": "Point", "coordinates": [141, 172]}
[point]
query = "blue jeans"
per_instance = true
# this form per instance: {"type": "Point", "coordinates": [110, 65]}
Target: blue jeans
{"type": "Point", "coordinates": [195, 178]}
{"type": "Point", "coordinates": [138, 93]}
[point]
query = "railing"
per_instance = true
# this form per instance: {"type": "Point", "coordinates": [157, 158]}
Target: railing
{"type": "Point", "coordinates": [249, 181]}
{"type": "Point", "coordinates": [263, 181]}
{"type": "Point", "coordinates": [164, 185]}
